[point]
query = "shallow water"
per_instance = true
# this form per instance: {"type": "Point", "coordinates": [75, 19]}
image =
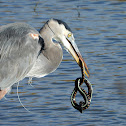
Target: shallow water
{"type": "Point", "coordinates": [99, 29]}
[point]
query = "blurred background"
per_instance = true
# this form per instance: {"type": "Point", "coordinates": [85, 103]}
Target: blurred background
{"type": "Point", "coordinates": [99, 27]}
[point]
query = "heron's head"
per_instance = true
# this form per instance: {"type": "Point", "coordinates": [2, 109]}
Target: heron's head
{"type": "Point", "coordinates": [63, 34]}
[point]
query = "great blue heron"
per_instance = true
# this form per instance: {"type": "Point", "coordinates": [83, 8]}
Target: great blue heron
{"type": "Point", "coordinates": [25, 52]}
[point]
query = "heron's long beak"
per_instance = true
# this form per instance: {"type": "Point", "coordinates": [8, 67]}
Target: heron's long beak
{"type": "Point", "coordinates": [73, 49]}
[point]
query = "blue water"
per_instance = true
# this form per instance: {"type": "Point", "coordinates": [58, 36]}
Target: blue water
{"type": "Point", "coordinates": [99, 28]}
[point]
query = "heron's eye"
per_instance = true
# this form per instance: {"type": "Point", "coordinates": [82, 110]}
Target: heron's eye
{"type": "Point", "coordinates": [69, 35]}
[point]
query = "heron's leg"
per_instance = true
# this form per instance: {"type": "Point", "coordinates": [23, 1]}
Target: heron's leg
{"type": "Point", "coordinates": [3, 93]}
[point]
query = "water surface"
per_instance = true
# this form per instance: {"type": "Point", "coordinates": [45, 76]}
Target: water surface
{"type": "Point", "coordinates": [99, 29]}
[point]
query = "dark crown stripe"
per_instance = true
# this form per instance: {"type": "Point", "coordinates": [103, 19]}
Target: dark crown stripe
{"type": "Point", "coordinates": [62, 22]}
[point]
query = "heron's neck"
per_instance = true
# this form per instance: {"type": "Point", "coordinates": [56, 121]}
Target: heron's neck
{"type": "Point", "coordinates": [52, 51]}
{"type": "Point", "coordinates": [50, 57]}
{"type": "Point", "coordinates": [47, 34]}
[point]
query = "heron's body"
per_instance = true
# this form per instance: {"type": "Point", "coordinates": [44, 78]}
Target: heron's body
{"type": "Point", "coordinates": [24, 52]}
{"type": "Point", "coordinates": [18, 52]}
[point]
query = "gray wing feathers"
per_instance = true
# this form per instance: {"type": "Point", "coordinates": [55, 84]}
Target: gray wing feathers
{"type": "Point", "coordinates": [18, 52]}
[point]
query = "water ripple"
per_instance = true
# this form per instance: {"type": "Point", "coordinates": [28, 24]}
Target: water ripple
{"type": "Point", "coordinates": [99, 29]}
